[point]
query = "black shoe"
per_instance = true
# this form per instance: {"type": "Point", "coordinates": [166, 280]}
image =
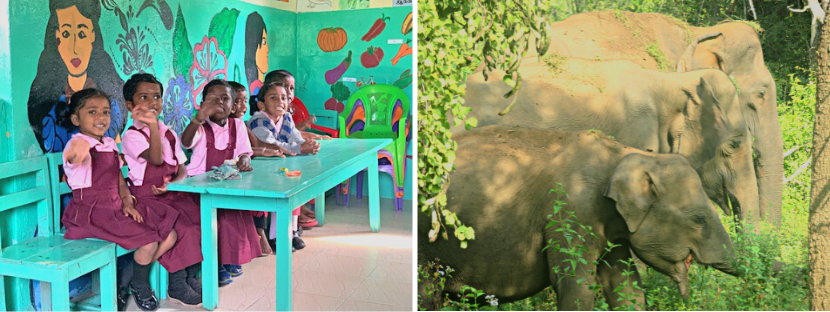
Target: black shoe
{"type": "Point", "coordinates": [179, 289]}
{"type": "Point", "coordinates": [122, 296]}
{"type": "Point", "coordinates": [195, 284]}
{"type": "Point", "coordinates": [298, 243]}
{"type": "Point", "coordinates": [144, 297]}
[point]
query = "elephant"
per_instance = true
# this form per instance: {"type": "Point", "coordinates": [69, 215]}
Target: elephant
{"type": "Point", "coordinates": [649, 203]}
{"type": "Point", "coordinates": [695, 114]}
{"type": "Point", "coordinates": [658, 41]}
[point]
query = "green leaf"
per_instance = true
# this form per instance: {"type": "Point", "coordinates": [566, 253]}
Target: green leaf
{"type": "Point", "coordinates": [223, 27]}
{"type": "Point", "coordinates": [182, 49]}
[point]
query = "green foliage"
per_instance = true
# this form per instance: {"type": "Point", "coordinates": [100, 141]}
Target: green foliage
{"type": "Point", "coordinates": [454, 37]}
{"type": "Point", "coordinates": [183, 50]}
{"type": "Point", "coordinates": [663, 64]}
{"type": "Point", "coordinates": [222, 27]}
{"type": "Point", "coordinates": [554, 61]}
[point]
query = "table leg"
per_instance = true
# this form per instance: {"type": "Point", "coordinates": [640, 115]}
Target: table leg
{"type": "Point", "coordinates": [210, 264]}
{"type": "Point", "coordinates": [282, 255]}
{"type": "Point", "coordinates": [106, 279]}
{"type": "Point", "coordinates": [320, 208]}
{"type": "Point", "coordinates": [374, 196]}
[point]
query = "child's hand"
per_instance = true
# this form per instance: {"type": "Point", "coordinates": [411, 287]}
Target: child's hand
{"type": "Point", "coordinates": [244, 163]}
{"type": "Point", "coordinates": [129, 211]}
{"type": "Point", "coordinates": [267, 152]}
{"type": "Point", "coordinates": [310, 147]}
{"type": "Point", "coordinates": [285, 151]}
{"type": "Point", "coordinates": [145, 116]}
{"type": "Point", "coordinates": [205, 111]}
{"type": "Point", "coordinates": [76, 152]}
{"type": "Point", "coordinates": [162, 189]}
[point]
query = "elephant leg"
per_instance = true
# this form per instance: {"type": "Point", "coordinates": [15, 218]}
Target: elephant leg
{"type": "Point", "coordinates": [611, 273]}
{"type": "Point", "coordinates": [573, 296]}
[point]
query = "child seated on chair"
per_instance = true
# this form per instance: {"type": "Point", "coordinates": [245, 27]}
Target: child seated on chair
{"type": "Point", "coordinates": [238, 110]}
{"type": "Point", "coordinates": [215, 138]}
{"type": "Point", "coordinates": [154, 157]}
{"type": "Point", "coordinates": [287, 78]}
{"type": "Point", "coordinates": [307, 218]}
{"type": "Point", "coordinates": [102, 205]}
{"type": "Point", "coordinates": [272, 125]}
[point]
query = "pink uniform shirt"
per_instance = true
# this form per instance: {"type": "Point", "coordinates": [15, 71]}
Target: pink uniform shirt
{"type": "Point", "coordinates": [221, 136]}
{"type": "Point", "coordinates": [79, 175]}
{"type": "Point", "coordinates": [133, 144]}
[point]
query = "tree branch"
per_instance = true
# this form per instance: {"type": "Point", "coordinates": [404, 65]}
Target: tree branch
{"type": "Point", "coordinates": [790, 151]}
{"type": "Point", "coordinates": [752, 8]}
{"type": "Point", "coordinates": [800, 169]}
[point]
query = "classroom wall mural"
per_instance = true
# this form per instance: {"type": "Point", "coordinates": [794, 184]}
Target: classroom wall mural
{"type": "Point", "coordinates": [58, 47]}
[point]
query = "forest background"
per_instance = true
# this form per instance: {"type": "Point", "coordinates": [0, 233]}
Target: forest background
{"type": "Point", "coordinates": [785, 39]}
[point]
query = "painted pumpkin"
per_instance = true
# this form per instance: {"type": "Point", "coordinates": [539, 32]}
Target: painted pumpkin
{"type": "Point", "coordinates": [331, 39]}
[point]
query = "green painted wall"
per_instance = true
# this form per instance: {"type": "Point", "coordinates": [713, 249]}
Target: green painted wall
{"type": "Point", "coordinates": [133, 40]}
{"type": "Point", "coordinates": [313, 62]}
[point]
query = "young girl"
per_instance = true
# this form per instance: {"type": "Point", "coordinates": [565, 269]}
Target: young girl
{"type": "Point", "coordinates": [102, 206]}
{"type": "Point", "coordinates": [238, 110]}
{"type": "Point", "coordinates": [215, 138]}
{"type": "Point", "coordinates": [272, 125]}
{"type": "Point", "coordinates": [152, 152]}
{"type": "Point", "coordinates": [307, 218]}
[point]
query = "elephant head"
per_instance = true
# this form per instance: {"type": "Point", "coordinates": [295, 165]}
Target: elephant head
{"type": "Point", "coordinates": [715, 140]}
{"type": "Point", "coordinates": [734, 47]}
{"type": "Point", "coordinates": [669, 218]}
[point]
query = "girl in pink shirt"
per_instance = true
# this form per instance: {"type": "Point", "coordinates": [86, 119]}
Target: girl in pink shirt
{"type": "Point", "coordinates": [153, 154]}
{"type": "Point", "coordinates": [102, 206]}
{"type": "Point", "coordinates": [215, 138]}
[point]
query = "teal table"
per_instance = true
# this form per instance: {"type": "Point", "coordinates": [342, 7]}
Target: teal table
{"type": "Point", "coordinates": [265, 189]}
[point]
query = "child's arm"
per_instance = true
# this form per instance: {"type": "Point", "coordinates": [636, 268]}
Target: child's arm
{"type": "Point", "coordinates": [265, 149]}
{"type": "Point", "coordinates": [180, 174]}
{"type": "Point", "coordinates": [193, 127]}
{"type": "Point", "coordinates": [76, 152]}
{"type": "Point", "coordinates": [128, 200]}
{"type": "Point", "coordinates": [154, 154]}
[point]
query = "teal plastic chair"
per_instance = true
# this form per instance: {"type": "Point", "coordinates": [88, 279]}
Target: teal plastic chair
{"type": "Point", "coordinates": [158, 275]}
{"type": "Point", "coordinates": [49, 257]}
{"type": "Point", "coordinates": [380, 111]}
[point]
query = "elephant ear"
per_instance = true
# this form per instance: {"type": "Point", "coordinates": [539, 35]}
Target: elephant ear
{"type": "Point", "coordinates": [686, 61]}
{"type": "Point", "coordinates": [706, 94]}
{"type": "Point", "coordinates": [633, 188]}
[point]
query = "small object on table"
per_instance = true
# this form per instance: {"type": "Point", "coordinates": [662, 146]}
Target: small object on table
{"type": "Point", "coordinates": [225, 172]}
{"type": "Point", "coordinates": [289, 173]}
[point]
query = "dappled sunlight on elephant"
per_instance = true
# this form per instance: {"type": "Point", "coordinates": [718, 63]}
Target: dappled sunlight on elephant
{"type": "Point", "coordinates": [662, 42]}
{"type": "Point", "coordinates": [696, 114]}
{"type": "Point", "coordinates": [651, 204]}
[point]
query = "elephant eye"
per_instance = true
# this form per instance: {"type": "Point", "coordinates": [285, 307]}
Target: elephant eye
{"type": "Point", "coordinates": [699, 219]}
{"type": "Point", "coordinates": [735, 143]}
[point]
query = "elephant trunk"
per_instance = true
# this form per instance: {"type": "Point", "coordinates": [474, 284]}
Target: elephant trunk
{"type": "Point", "coordinates": [769, 166]}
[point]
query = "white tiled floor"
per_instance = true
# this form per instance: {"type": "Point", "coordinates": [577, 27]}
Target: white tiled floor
{"type": "Point", "coordinates": [345, 267]}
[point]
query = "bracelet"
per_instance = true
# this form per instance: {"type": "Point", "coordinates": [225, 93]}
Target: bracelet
{"type": "Point", "coordinates": [135, 201]}
{"type": "Point", "coordinates": [194, 120]}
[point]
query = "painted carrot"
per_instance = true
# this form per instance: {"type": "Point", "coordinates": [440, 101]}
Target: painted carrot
{"type": "Point", "coordinates": [405, 50]}
{"type": "Point", "coordinates": [376, 29]}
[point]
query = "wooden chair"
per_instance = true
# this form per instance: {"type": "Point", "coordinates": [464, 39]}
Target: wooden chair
{"type": "Point", "coordinates": [49, 257]}
{"type": "Point", "coordinates": [158, 276]}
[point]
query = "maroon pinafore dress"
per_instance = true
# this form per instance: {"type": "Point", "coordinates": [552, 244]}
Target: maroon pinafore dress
{"type": "Point", "coordinates": [238, 239]}
{"type": "Point", "coordinates": [188, 248]}
{"type": "Point", "coordinates": [97, 211]}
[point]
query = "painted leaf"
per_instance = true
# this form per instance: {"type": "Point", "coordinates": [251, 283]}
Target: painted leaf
{"type": "Point", "coordinates": [178, 104]}
{"type": "Point", "coordinates": [182, 50]}
{"type": "Point", "coordinates": [163, 10]}
{"type": "Point", "coordinates": [222, 27]}
{"type": "Point", "coordinates": [208, 63]}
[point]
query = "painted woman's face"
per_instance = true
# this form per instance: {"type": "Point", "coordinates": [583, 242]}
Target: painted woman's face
{"type": "Point", "coordinates": [75, 36]}
{"type": "Point", "coordinates": [262, 54]}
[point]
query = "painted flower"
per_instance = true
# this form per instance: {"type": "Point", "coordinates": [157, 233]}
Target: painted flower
{"type": "Point", "coordinates": [135, 52]}
{"type": "Point", "coordinates": [178, 104]}
{"type": "Point", "coordinates": [208, 63]}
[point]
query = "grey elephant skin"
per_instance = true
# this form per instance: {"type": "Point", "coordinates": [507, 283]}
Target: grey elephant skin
{"type": "Point", "coordinates": [695, 114]}
{"type": "Point", "coordinates": [652, 203]}
{"type": "Point", "coordinates": [733, 47]}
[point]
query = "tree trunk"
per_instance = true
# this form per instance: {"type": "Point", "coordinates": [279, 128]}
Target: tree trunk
{"type": "Point", "coordinates": [819, 197]}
